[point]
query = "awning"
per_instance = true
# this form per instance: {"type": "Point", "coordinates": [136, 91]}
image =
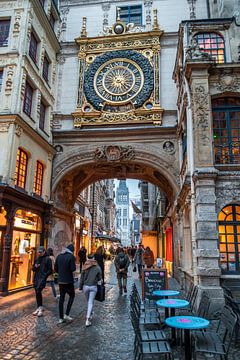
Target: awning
{"type": "Point", "coordinates": [108, 238]}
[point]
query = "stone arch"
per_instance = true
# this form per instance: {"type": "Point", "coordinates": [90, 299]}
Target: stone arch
{"type": "Point", "coordinates": [77, 168]}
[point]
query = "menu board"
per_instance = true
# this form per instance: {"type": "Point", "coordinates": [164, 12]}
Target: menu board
{"type": "Point", "coordinates": [153, 280]}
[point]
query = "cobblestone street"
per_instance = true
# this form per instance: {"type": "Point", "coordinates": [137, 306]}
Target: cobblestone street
{"type": "Point", "coordinates": [23, 336]}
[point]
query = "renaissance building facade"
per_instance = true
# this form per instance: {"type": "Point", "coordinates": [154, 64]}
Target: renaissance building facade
{"type": "Point", "coordinates": [150, 90]}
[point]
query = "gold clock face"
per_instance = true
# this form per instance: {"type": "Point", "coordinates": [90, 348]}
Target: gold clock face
{"type": "Point", "coordinates": [118, 80]}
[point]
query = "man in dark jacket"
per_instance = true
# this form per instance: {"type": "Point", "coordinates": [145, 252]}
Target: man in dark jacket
{"type": "Point", "coordinates": [82, 256]}
{"type": "Point", "coordinates": [65, 266]}
{"type": "Point", "coordinates": [122, 263]}
{"type": "Point", "coordinates": [42, 268]}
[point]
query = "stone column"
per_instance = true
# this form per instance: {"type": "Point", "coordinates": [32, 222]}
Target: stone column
{"type": "Point", "coordinates": [7, 245]}
{"type": "Point", "coordinates": [205, 248]}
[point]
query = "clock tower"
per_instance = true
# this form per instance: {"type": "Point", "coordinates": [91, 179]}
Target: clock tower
{"type": "Point", "coordinates": [119, 76]}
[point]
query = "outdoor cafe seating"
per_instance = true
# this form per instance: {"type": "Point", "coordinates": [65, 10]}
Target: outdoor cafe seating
{"type": "Point", "coordinates": [201, 336]}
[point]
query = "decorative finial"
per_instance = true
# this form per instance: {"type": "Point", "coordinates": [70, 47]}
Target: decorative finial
{"type": "Point", "coordinates": [155, 20]}
{"type": "Point", "coordinates": [118, 14]}
{"type": "Point", "coordinates": [84, 27]}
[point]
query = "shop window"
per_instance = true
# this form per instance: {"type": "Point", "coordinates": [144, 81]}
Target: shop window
{"type": "Point", "coordinates": [38, 178]}
{"type": "Point", "coordinates": [131, 14]}
{"type": "Point", "coordinates": [21, 169]}
{"type": "Point", "coordinates": [28, 99]}
{"type": "Point", "coordinates": [213, 44]}
{"type": "Point", "coordinates": [4, 32]}
{"type": "Point", "coordinates": [229, 238]}
{"type": "Point", "coordinates": [33, 47]}
{"type": "Point", "coordinates": [42, 116]}
{"type": "Point", "coordinates": [26, 239]}
{"type": "Point", "coordinates": [226, 130]}
{"type": "Point", "coordinates": [3, 213]}
{"type": "Point", "coordinates": [46, 66]}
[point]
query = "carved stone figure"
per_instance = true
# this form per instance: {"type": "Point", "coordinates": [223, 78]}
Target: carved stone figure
{"type": "Point", "coordinates": [194, 52]}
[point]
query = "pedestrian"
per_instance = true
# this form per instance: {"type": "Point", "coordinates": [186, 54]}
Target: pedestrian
{"type": "Point", "coordinates": [148, 257]}
{"type": "Point", "coordinates": [121, 263]}
{"type": "Point", "coordinates": [82, 254]}
{"type": "Point", "coordinates": [65, 265]}
{"type": "Point", "coordinates": [138, 259]}
{"type": "Point", "coordinates": [133, 252]}
{"type": "Point", "coordinates": [42, 268]}
{"type": "Point", "coordinates": [51, 276]}
{"type": "Point", "coordinates": [90, 276]}
{"type": "Point", "coordinates": [100, 256]}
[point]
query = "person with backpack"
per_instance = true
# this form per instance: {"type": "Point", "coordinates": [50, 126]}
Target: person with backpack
{"type": "Point", "coordinates": [121, 263]}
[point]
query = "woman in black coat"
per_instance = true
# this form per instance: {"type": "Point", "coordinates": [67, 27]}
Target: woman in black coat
{"type": "Point", "coordinates": [100, 256]}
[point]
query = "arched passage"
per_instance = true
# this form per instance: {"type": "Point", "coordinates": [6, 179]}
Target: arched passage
{"type": "Point", "coordinates": [76, 169]}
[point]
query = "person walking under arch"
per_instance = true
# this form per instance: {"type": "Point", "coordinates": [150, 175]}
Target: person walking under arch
{"type": "Point", "coordinates": [82, 254]}
{"type": "Point", "coordinates": [122, 263]}
{"type": "Point", "coordinates": [42, 268]}
{"type": "Point", "coordinates": [138, 259]}
{"type": "Point", "coordinates": [90, 276]}
{"type": "Point", "coordinates": [65, 266]}
{"type": "Point", "coordinates": [148, 257]}
{"type": "Point", "coordinates": [100, 256]}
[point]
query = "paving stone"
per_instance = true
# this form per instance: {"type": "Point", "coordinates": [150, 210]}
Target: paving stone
{"type": "Point", "coordinates": [111, 337]}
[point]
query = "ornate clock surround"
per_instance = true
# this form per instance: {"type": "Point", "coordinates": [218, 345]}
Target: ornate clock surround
{"type": "Point", "coordinates": [135, 53]}
{"type": "Point", "coordinates": [135, 63]}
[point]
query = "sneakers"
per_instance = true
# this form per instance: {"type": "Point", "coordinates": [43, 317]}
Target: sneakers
{"type": "Point", "coordinates": [39, 311]}
{"type": "Point", "coordinates": [88, 322]}
{"type": "Point", "coordinates": [60, 321]}
{"type": "Point", "coordinates": [67, 317]}
{"type": "Point", "coordinates": [36, 312]}
{"type": "Point", "coordinates": [91, 316]}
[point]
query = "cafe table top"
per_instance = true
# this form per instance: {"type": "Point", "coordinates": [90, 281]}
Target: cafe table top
{"type": "Point", "coordinates": [172, 303]}
{"type": "Point", "coordinates": [166, 292]}
{"type": "Point", "coordinates": [187, 322]}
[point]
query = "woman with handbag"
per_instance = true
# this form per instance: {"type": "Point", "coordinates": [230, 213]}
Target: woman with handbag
{"type": "Point", "coordinates": [90, 276]}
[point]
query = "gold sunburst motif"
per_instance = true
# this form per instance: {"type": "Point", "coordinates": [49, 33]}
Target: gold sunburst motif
{"type": "Point", "coordinates": [119, 81]}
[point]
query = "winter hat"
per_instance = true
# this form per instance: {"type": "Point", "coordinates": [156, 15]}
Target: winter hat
{"type": "Point", "coordinates": [41, 249]}
{"type": "Point", "coordinates": [70, 247]}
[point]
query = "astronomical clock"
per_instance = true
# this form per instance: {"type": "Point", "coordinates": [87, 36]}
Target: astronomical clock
{"type": "Point", "coordinates": [119, 76]}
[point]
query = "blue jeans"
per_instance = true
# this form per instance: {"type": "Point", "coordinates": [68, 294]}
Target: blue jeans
{"type": "Point", "coordinates": [53, 288]}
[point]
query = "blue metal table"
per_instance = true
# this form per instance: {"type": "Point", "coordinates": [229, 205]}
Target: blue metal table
{"type": "Point", "coordinates": [166, 293]}
{"type": "Point", "coordinates": [187, 323]}
{"type": "Point", "coordinates": [173, 304]}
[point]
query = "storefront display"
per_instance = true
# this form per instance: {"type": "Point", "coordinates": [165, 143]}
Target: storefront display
{"type": "Point", "coordinates": [26, 239]}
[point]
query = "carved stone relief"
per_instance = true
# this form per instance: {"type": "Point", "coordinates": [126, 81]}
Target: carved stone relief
{"type": "Point", "coordinates": [168, 147]}
{"type": "Point", "coordinates": [114, 153]}
{"type": "Point", "coordinates": [228, 81]}
{"type": "Point", "coordinates": [201, 113]}
{"type": "Point", "coordinates": [4, 127]}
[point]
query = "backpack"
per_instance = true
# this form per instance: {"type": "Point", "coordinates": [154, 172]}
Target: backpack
{"type": "Point", "coordinates": [122, 260]}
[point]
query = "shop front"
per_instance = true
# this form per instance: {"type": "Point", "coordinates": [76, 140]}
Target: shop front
{"type": "Point", "coordinates": [23, 227]}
